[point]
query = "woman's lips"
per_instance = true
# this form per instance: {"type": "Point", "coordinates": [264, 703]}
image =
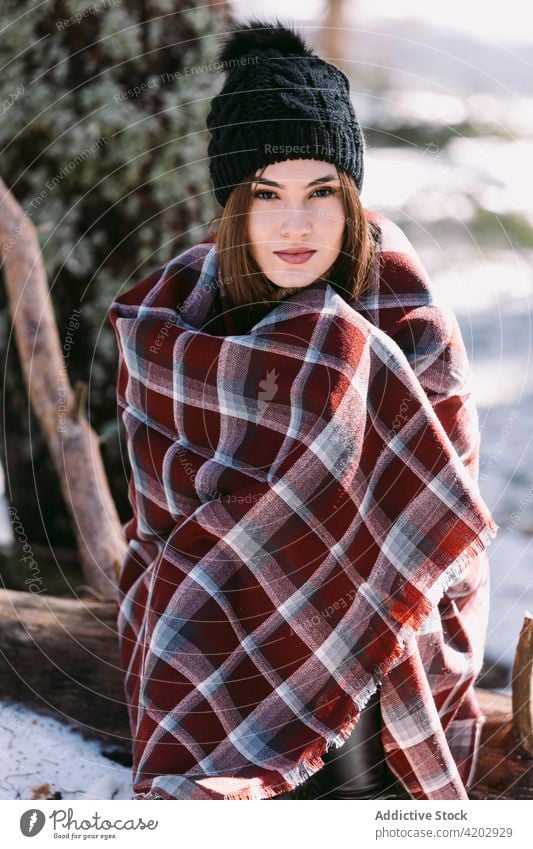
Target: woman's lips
{"type": "Point", "coordinates": [295, 258]}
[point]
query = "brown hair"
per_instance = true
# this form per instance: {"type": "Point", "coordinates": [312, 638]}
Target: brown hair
{"type": "Point", "coordinates": [251, 291]}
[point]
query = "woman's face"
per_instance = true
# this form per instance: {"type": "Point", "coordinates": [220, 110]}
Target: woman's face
{"type": "Point", "coordinates": [295, 206]}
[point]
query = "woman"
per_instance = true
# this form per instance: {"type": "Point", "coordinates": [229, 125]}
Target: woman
{"type": "Point", "coordinates": [304, 601]}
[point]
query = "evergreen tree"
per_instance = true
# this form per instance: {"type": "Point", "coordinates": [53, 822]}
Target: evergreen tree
{"type": "Point", "coordinates": [103, 142]}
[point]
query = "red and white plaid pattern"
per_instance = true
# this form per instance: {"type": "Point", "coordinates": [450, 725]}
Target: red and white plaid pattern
{"type": "Point", "coordinates": [307, 527]}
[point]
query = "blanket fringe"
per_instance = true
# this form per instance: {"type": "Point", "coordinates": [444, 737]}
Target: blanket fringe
{"type": "Point", "coordinates": [292, 779]}
{"type": "Point", "coordinates": [313, 762]}
{"type": "Point", "coordinates": [435, 593]}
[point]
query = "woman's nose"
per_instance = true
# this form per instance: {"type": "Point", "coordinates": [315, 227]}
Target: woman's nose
{"type": "Point", "coordinates": [295, 221]}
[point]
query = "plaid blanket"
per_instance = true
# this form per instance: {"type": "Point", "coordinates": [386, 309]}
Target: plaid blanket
{"type": "Point", "coordinates": [307, 527]}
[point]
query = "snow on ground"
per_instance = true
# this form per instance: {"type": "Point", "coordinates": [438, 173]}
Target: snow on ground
{"type": "Point", "coordinates": [510, 554]}
{"type": "Point", "coordinates": [430, 183]}
{"type": "Point", "coordinates": [42, 757]}
{"type": "Point", "coordinates": [492, 299]}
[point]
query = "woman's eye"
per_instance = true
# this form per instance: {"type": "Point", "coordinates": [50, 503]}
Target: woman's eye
{"type": "Point", "coordinates": [327, 189]}
{"type": "Point", "coordinates": [267, 192]}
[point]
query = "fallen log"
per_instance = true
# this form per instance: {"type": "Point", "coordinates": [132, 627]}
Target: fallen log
{"type": "Point", "coordinates": [504, 770]}
{"type": "Point", "coordinates": [523, 687]}
{"type": "Point", "coordinates": [505, 765]}
{"type": "Point", "coordinates": [60, 656]}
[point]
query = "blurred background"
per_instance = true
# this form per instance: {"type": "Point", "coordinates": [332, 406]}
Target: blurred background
{"type": "Point", "coordinates": [103, 143]}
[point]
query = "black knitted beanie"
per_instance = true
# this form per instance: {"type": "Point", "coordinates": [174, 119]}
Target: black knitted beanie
{"type": "Point", "coordinates": [279, 101]}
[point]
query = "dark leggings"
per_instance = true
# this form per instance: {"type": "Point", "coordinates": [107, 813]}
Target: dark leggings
{"type": "Point", "coordinates": [357, 769]}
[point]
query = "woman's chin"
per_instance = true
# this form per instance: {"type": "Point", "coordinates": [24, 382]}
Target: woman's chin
{"type": "Point", "coordinates": [296, 281]}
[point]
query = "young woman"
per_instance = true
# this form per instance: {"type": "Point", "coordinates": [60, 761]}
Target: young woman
{"type": "Point", "coordinates": [304, 601]}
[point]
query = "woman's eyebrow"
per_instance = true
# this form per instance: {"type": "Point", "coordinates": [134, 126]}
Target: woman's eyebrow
{"type": "Point", "coordinates": [328, 178]}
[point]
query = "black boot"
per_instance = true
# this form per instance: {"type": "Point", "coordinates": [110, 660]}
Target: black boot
{"type": "Point", "coordinates": [356, 770]}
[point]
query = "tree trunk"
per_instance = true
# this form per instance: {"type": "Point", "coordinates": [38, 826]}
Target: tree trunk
{"type": "Point", "coordinates": [73, 445]}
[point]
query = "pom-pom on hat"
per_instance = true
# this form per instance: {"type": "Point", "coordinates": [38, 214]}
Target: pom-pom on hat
{"type": "Point", "coordinates": [279, 101]}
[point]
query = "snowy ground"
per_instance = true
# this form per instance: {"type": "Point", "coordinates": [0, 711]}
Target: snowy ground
{"type": "Point", "coordinates": [42, 757]}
